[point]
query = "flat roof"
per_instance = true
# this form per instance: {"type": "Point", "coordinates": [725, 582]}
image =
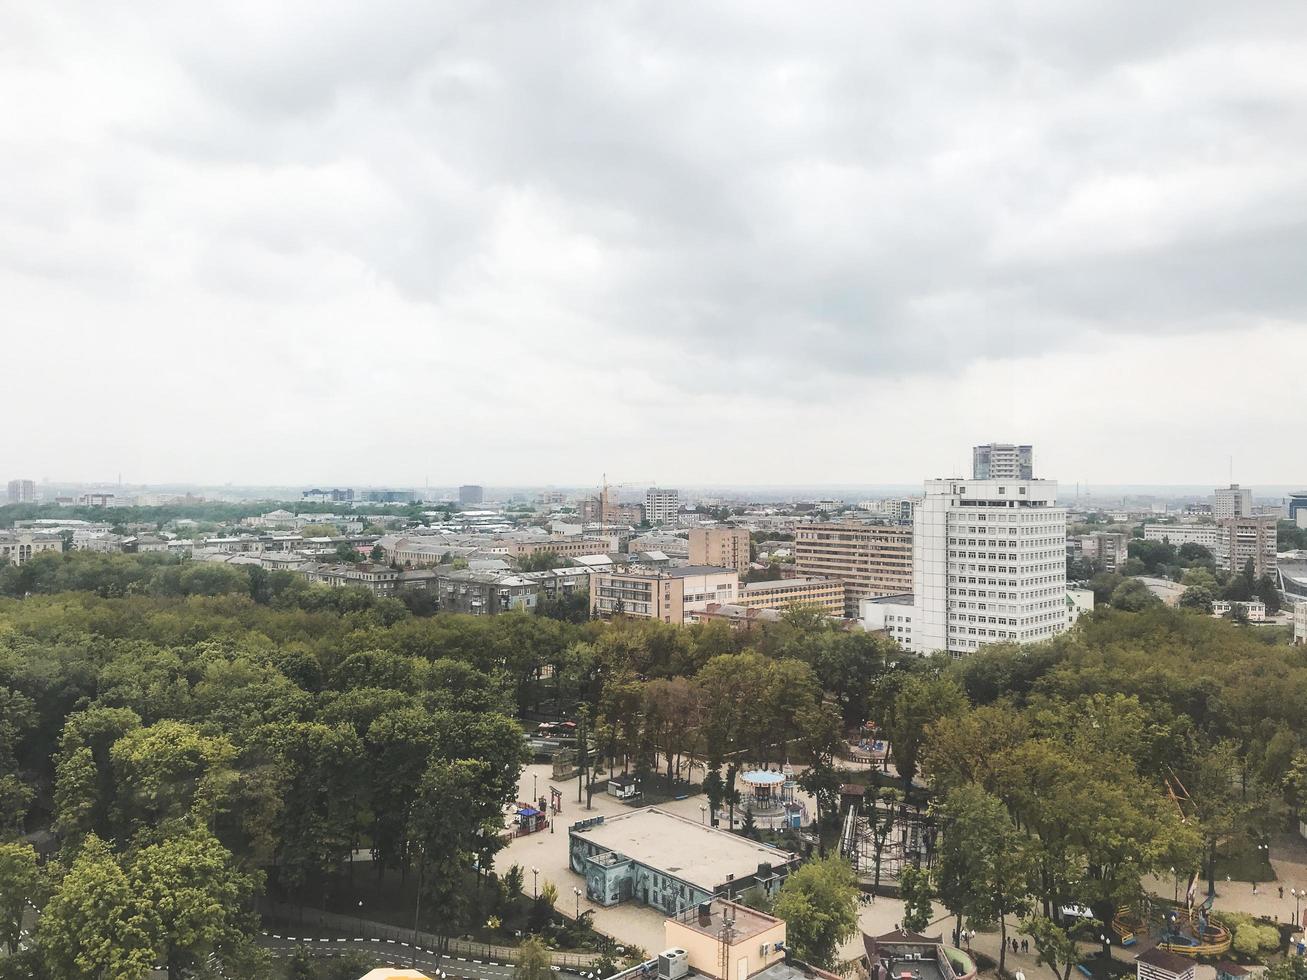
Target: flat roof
{"type": "Point", "coordinates": [702, 856]}
{"type": "Point", "coordinates": [682, 571]}
{"type": "Point", "coordinates": [748, 922]}
{"type": "Point", "coordinates": [791, 583]}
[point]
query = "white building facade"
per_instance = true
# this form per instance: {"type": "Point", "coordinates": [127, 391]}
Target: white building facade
{"type": "Point", "coordinates": [1207, 535]}
{"type": "Point", "coordinates": [661, 506]}
{"type": "Point", "coordinates": [988, 564]}
{"type": "Point", "coordinates": [1232, 501]}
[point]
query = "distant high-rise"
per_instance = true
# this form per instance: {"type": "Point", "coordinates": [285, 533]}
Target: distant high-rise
{"type": "Point", "coordinates": [22, 492]}
{"type": "Point", "coordinates": [1232, 501]}
{"type": "Point", "coordinates": [661, 506]}
{"type": "Point", "coordinates": [725, 547]}
{"type": "Point", "coordinates": [470, 494]}
{"type": "Point", "coordinates": [1002, 461]}
{"type": "Point", "coordinates": [988, 564]}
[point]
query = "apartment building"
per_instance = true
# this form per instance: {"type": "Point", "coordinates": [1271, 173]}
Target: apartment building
{"type": "Point", "coordinates": [559, 583]}
{"type": "Point", "coordinates": [1245, 539]}
{"type": "Point", "coordinates": [1207, 535]}
{"type": "Point", "coordinates": [988, 564]}
{"type": "Point", "coordinates": [16, 547]}
{"type": "Point", "coordinates": [725, 547]}
{"type": "Point", "coordinates": [563, 547]}
{"type": "Point", "coordinates": [1232, 501]}
{"type": "Point", "coordinates": [22, 492]}
{"type": "Point", "coordinates": [381, 580]}
{"type": "Point", "coordinates": [663, 594]}
{"type": "Point", "coordinates": [484, 593]}
{"type": "Point", "coordinates": [1002, 461]}
{"type": "Point", "coordinates": [1111, 548]}
{"type": "Point", "coordinates": [828, 593]}
{"type": "Point", "coordinates": [870, 559]}
{"type": "Point", "coordinates": [661, 506]}
{"type": "Point", "coordinates": [471, 495]}
{"type": "Point", "coordinates": [1300, 624]}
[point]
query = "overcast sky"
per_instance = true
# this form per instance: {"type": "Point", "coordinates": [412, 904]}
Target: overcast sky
{"type": "Point", "coordinates": [705, 243]}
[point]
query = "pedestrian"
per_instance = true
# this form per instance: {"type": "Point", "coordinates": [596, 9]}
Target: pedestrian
{"type": "Point", "coordinates": [1025, 945]}
{"type": "Point", "coordinates": [1254, 888]}
{"type": "Point", "coordinates": [1281, 891]}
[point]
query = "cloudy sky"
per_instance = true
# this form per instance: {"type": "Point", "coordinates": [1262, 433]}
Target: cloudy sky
{"type": "Point", "coordinates": [705, 243]}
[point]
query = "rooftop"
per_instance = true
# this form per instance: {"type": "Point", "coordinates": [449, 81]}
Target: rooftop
{"type": "Point", "coordinates": [748, 922]}
{"type": "Point", "coordinates": [683, 571]}
{"type": "Point", "coordinates": [791, 583]}
{"type": "Point", "coordinates": [702, 856]}
{"type": "Point", "coordinates": [1164, 960]}
{"type": "Point", "coordinates": [898, 599]}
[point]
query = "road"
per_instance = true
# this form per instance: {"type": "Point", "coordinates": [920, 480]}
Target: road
{"type": "Point", "coordinates": [388, 952]}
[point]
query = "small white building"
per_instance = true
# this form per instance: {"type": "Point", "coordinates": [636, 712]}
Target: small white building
{"type": "Point", "coordinates": [1158, 964]}
{"type": "Point", "coordinates": [1300, 624]}
{"type": "Point", "coordinates": [1255, 608]}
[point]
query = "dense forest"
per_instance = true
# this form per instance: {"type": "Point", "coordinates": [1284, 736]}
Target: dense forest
{"type": "Point", "coordinates": [216, 733]}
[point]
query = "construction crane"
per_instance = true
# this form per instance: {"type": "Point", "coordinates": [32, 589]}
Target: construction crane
{"type": "Point", "coordinates": [607, 505]}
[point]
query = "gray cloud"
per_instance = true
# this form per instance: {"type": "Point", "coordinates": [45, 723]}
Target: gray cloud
{"type": "Point", "coordinates": [723, 195]}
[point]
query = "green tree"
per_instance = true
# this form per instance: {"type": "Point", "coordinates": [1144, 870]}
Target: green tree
{"type": "Point", "coordinates": [918, 895]}
{"type": "Point", "coordinates": [1133, 595]}
{"type": "Point", "coordinates": [533, 961]}
{"type": "Point", "coordinates": [168, 771]}
{"type": "Point", "coordinates": [1054, 947]}
{"type": "Point", "coordinates": [450, 815]}
{"type": "Point", "coordinates": [1197, 597]}
{"type": "Point", "coordinates": [20, 881]}
{"type": "Point", "coordinates": [200, 900]}
{"type": "Point", "coordinates": [97, 926]}
{"type": "Point", "coordinates": [819, 905]}
{"type": "Point", "coordinates": [906, 705]}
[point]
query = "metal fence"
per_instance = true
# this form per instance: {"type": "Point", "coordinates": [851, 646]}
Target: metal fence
{"type": "Point", "coordinates": [354, 926]}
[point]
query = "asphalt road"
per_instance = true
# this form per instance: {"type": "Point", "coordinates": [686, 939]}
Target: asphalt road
{"type": "Point", "coordinates": [388, 952]}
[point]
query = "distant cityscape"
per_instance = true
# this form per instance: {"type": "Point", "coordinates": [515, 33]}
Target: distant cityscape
{"type": "Point", "coordinates": [999, 556]}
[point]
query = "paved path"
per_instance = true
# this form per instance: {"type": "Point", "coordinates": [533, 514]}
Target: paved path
{"type": "Point", "coordinates": [629, 923]}
{"type": "Point", "coordinates": [389, 952]}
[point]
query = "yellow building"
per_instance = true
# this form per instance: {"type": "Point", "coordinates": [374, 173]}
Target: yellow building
{"type": "Point", "coordinates": [725, 547]}
{"type": "Point", "coordinates": [726, 940]}
{"type": "Point", "coordinates": [828, 593]}
{"type": "Point", "coordinates": [665, 595]}
{"type": "Point", "coordinates": [16, 547]}
{"type": "Point", "coordinates": [870, 559]}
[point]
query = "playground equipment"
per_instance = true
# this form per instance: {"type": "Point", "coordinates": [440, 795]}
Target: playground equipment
{"type": "Point", "coordinates": [767, 791]}
{"type": "Point", "coordinates": [1188, 931]}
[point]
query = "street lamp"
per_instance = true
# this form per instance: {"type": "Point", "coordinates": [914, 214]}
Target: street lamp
{"type": "Point", "coordinates": [577, 893]}
{"type": "Point", "coordinates": [1297, 894]}
{"type": "Point", "coordinates": [535, 795]}
{"type": "Point", "coordinates": [1175, 898]}
{"type": "Point", "coordinates": [535, 882]}
{"type": "Point", "coordinates": [703, 814]}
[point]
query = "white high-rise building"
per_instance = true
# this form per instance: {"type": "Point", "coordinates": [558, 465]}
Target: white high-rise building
{"type": "Point", "coordinates": [1002, 461]}
{"type": "Point", "coordinates": [661, 506]}
{"type": "Point", "coordinates": [1232, 501]}
{"type": "Point", "coordinates": [988, 564]}
{"type": "Point", "coordinates": [22, 491]}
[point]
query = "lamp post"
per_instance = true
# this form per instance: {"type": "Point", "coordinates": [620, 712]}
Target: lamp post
{"type": "Point", "coordinates": [577, 893]}
{"type": "Point", "coordinates": [535, 882]}
{"type": "Point", "coordinates": [703, 814]}
{"type": "Point", "coordinates": [535, 795]}
{"type": "Point", "coordinates": [1175, 898]}
{"type": "Point", "coordinates": [1297, 894]}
